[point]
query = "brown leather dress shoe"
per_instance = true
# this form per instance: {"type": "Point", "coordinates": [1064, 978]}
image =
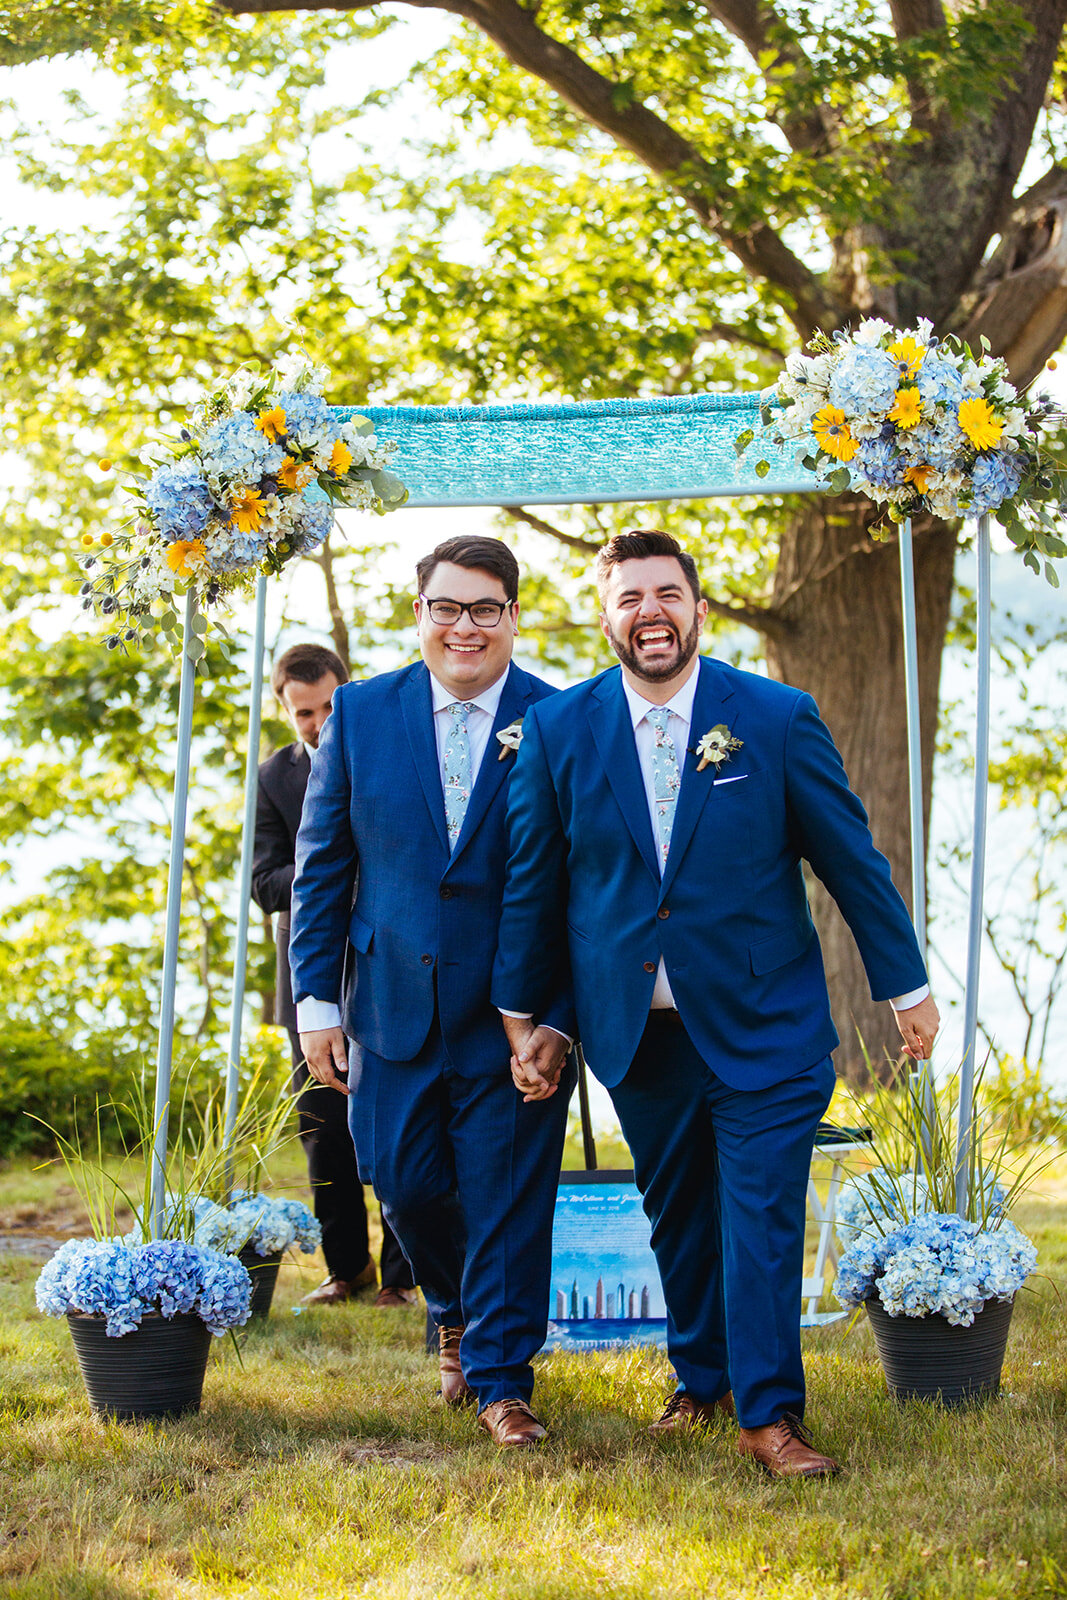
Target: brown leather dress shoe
{"type": "Point", "coordinates": [389, 1296]}
{"type": "Point", "coordinates": [785, 1449]}
{"type": "Point", "coordinates": [683, 1412]}
{"type": "Point", "coordinates": [455, 1390]}
{"type": "Point", "coordinates": [335, 1291]}
{"type": "Point", "coordinates": [511, 1424]}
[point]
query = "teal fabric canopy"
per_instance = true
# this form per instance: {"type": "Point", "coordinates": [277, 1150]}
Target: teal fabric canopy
{"type": "Point", "coordinates": [581, 451]}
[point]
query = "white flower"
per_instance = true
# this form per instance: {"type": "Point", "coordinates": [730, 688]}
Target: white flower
{"type": "Point", "coordinates": [871, 329]}
{"type": "Point", "coordinates": [510, 737]}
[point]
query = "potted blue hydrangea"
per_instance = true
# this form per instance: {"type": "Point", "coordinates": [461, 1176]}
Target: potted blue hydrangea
{"type": "Point", "coordinates": [141, 1313]}
{"type": "Point", "coordinates": [258, 1228]}
{"type": "Point", "coordinates": [938, 1285]}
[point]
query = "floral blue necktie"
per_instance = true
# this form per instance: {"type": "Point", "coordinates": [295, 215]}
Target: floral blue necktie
{"type": "Point", "coordinates": [457, 768]}
{"type": "Point", "coordinates": [667, 779]}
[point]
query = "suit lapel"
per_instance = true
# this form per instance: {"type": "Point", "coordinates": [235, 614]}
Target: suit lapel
{"type": "Point", "coordinates": [416, 705]}
{"type": "Point", "coordinates": [609, 721]}
{"type": "Point", "coordinates": [710, 706]}
{"type": "Point", "coordinates": [514, 698]}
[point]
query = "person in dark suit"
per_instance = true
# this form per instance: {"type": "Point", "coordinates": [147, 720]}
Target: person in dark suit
{"type": "Point", "coordinates": [658, 818]}
{"type": "Point", "coordinates": [406, 804]}
{"type": "Point", "coordinates": [304, 680]}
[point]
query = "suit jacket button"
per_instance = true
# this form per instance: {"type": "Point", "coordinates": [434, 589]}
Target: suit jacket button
{"type": "Point", "coordinates": [650, 966]}
{"type": "Point", "coordinates": [663, 913]}
{"type": "Point", "coordinates": [427, 960]}
{"type": "Point", "coordinates": [446, 891]}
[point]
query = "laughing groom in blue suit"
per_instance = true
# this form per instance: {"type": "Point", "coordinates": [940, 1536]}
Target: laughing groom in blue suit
{"type": "Point", "coordinates": [658, 817]}
{"type": "Point", "coordinates": [406, 807]}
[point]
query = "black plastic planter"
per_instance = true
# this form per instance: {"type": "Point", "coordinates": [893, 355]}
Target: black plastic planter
{"type": "Point", "coordinates": [927, 1358]}
{"type": "Point", "coordinates": [263, 1270]}
{"type": "Point", "coordinates": [157, 1370]}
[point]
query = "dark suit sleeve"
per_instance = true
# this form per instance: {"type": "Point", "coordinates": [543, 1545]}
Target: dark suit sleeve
{"type": "Point", "coordinates": [529, 974]}
{"type": "Point", "coordinates": [830, 830]}
{"type": "Point", "coordinates": [326, 865]}
{"type": "Point", "coordinates": [272, 856]}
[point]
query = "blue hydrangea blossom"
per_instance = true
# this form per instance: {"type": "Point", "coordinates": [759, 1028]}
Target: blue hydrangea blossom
{"type": "Point", "coordinates": [125, 1280]}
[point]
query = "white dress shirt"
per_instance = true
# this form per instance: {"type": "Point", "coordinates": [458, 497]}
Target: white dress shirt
{"type": "Point", "coordinates": [315, 1014]}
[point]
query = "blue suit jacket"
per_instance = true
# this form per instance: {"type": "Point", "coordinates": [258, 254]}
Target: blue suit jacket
{"type": "Point", "coordinates": [422, 918]}
{"type": "Point", "coordinates": [730, 916]}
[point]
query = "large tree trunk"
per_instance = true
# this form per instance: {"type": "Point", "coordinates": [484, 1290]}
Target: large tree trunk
{"type": "Point", "coordinates": [838, 592]}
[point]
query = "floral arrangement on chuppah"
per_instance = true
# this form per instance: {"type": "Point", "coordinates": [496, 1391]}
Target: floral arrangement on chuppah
{"type": "Point", "coordinates": [922, 424]}
{"type": "Point", "coordinates": [250, 484]}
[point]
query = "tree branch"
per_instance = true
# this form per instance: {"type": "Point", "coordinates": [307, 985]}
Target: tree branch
{"type": "Point", "coordinates": [757, 617]}
{"type": "Point", "coordinates": [912, 17]}
{"type": "Point", "coordinates": [761, 30]}
{"type": "Point", "coordinates": [631, 124]}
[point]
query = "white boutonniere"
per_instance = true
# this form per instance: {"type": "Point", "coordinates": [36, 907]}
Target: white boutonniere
{"type": "Point", "coordinates": [510, 737]}
{"type": "Point", "coordinates": [717, 746]}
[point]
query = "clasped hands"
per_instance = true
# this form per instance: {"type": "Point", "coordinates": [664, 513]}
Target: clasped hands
{"type": "Point", "coordinates": [537, 1057]}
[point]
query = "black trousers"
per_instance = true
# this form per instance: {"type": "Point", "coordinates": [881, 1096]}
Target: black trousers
{"type": "Point", "coordinates": [336, 1192]}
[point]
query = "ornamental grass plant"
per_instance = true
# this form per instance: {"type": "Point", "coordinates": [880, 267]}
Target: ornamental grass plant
{"type": "Point", "coordinates": [909, 1246]}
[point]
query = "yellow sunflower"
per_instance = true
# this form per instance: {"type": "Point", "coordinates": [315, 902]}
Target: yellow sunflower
{"type": "Point", "coordinates": [341, 459]}
{"type": "Point", "coordinates": [980, 423]}
{"type": "Point", "coordinates": [248, 510]}
{"type": "Point", "coordinates": [185, 555]}
{"type": "Point", "coordinates": [272, 424]}
{"type": "Point", "coordinates": [833, 433]}
{"type": "Point", "coordinates": [294, 474]}
{"type": "Point", "coordinates": [906, 409]}
{"type": "Point", "coordinates": [908, 354]}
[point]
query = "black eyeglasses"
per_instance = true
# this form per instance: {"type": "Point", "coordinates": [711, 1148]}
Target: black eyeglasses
{"type": "Point", "coordinates": [483, 613]}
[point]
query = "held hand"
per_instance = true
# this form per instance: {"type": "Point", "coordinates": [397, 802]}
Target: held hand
{"type": "Point", "coordinates": [326, 1055]}
{"type": "Point", "coordinates": [918, 1028]}
{"type": "Point", "coordinates": [535, 1070]}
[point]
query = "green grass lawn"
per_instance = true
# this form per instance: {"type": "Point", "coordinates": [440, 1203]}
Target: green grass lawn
{"type": "Point", "coordinates": [323, 1465]}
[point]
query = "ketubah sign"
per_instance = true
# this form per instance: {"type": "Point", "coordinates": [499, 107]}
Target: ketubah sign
{"type": "Point", "coordinates": [605, 1288]}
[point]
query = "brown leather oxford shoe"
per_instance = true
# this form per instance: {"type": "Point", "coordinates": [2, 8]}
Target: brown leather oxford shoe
{"type": "Point", "coordinates": [390, 1296]}
{"type": "Point", "coordinates": [511, 1424]}
{"type": "Point", "coordinates": [455, 1391]}
{"type": "Point", "coordinates": [785, 1449]}
{"type": "Point", "coordinates": [335, 1291]}
{"type": "Point", "coordinates": [683, 1412]}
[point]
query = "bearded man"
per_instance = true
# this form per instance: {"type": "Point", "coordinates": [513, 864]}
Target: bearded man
{"type": "Point", "coordinates": [658, 818]}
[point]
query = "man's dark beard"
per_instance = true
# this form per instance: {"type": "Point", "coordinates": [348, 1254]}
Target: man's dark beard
{"type": "Point", "coordinates": [686, 651]}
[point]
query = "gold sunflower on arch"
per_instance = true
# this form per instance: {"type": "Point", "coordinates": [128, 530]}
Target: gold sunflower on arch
{"type": "Point", "coordinates": [831, 429]}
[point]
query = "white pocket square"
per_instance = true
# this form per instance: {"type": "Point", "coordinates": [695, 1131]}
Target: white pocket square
{"type": "Point", "coordinates": [739, 778]}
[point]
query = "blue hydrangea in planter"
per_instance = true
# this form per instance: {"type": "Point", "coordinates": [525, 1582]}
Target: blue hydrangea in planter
{"type": "Point", "coordinates": [141, 1316]}
{"type": "Point", "coordinates": [938, 1292]}
{"type": "Point", "coordinates": [257, 1228]}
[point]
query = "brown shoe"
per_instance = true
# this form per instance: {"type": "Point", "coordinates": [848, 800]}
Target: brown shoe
{"type": "Point", "coordinates": [390, 1296]}
{"type": "Point", "coordinates": [335, 1291]}
{"type": "Point", "coordinates": [682, 1412]}
{"type": "Point", "coordinates": [511, 1424]}
{"type": "Point", "coordinates": [785, 1449]}
{"type": "Point", "coordinates": [455, 1390]}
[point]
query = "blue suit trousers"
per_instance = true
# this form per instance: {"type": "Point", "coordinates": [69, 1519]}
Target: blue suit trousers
{"type": "Point", "coordinates": [467, 1178]}
{"type": "Point", "coordinates": [723, 1173]}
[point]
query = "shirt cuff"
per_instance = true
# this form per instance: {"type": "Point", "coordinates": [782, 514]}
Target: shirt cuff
{"type": "Point", "coordinates": [312, 1016]}
{"type": "Point", "coordinates": [904, 1002]}
{"type": "Point", "coordinates": [527, 1016]}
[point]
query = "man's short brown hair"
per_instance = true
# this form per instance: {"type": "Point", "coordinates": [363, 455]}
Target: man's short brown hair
{"type": "Point", "coordinates": [306, 663]}
{"type": "Point", "coordinates": [636, 546]}
{"type": "Point", "coordinates": [478, 553]}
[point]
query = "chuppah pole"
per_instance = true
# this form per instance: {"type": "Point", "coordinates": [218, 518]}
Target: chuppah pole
{"type": "Point", "coordinates": [248, 831]}
{"type": "Point", "coordinates": [965, 1130]}
{"type": "Point", "coordinates": [165, 1051]}
{"type": "Point", "coordinates": [915, 798]}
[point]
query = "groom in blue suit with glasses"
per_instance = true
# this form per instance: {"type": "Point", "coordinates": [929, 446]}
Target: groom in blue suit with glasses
{"type": "Point", "coordinates": [400, 863]}
{"type": "Point", "coordinates": [658, 818]}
